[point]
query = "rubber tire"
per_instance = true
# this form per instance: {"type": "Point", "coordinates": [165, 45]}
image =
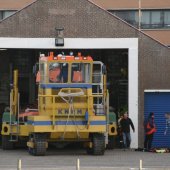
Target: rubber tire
{"type": "Point", "coordinates": [40, 148]}
{"type": "Point", "coordinates": [111, 143]}
{"type": "Point", "coordinates": [89, 151]}
{"type": "Point", "coordinates": [40, 145]}
{"type": "Point", "coordinates": [98, 140]}
{"type": "Point", "coordinates": [6, 144]}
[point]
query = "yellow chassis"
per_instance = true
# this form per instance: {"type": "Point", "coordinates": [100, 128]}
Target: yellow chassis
{"type": "Point", "coordinates": [37, 124]}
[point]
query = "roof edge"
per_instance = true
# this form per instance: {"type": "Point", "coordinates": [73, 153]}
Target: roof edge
{"type": "Point", "coordinates": [101, 9]}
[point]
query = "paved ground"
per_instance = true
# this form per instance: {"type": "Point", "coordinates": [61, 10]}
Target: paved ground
{"type": "Point", "coordinates": [66, 160]}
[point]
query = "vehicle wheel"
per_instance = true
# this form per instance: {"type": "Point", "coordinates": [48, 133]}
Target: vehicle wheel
{"type": "Point", "coordinates": [6, 144]}
{"type": "Point", "coordinates": [111, 142]}
{"type": "Point", "coordinates": [31, 151]}
{"type": "Point", "coordinates": [98, 140]}
{"type": "Point", "coordinates": [39, 145]}
{"type": "Point", "coordinates": [89, 151]}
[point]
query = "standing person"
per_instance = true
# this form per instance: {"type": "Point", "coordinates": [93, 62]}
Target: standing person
{"type": "Point", "coordinates": [150, 129]}
{"type": "Point", "coordinates": [125, 123]}
{"type": "Point", "coordinates": [167, 117]}
{"type": "Point", "coordinates": [119, 133]}
{"type": "Point", "coordinates": [119, 120]}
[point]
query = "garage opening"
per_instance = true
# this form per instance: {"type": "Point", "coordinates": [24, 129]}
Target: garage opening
{"type": "Point", "coordinates": [116, 61]}
{"type": "Point", "coordinates": [99, 48]}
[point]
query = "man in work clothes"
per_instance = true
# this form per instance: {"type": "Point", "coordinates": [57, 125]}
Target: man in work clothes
{"type": "Point", "coordinates": [125, 123]}
{"type": "Point", "coordinates": [150, 129]}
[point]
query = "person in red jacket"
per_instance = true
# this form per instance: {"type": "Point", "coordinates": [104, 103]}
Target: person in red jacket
{"type": "Point", "coordinates": [150, 129]}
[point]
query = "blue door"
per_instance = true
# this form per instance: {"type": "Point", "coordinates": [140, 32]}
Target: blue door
{"type": "Point", "coordinates": [159, 103]}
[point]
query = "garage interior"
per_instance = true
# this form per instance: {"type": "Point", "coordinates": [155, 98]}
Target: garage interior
{"type": "Point", "coordinates": [116, 61]}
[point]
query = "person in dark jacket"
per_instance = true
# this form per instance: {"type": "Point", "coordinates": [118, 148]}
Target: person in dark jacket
{"type": "Point", "coordinates": [150, 129]}
{"type": "Point", "coordinates": [125, 123]}
{"type": "Point", "coordinates": [167, 117]}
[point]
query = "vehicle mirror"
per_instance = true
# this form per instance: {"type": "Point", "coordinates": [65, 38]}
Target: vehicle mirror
{"type": "Point", "coordinates": [35, 68]}
{"type": "Point", "coordinates": [104, 71]}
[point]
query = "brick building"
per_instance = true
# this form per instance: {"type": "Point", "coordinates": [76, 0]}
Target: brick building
{"type": "Point", "coordinates": [155, 14]}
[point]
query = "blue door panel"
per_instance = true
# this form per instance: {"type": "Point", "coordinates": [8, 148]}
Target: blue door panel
{"type": "Point", "coordinates": [159, 103]}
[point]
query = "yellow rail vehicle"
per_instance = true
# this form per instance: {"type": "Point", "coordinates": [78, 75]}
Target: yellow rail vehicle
{"type": "Point", "coordinates": [72, 106]}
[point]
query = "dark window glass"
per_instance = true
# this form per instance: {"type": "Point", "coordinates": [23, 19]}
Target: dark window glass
{"type": "Point", "coordinates": [150, 19]}
{"type": "Point", "coordinates": [58, 72]}
{"type": "Point", "coordinates": [4, 14]}
{"type": "Point", "coordinates": [7, 13]}
{"type": "Point", "coordinates": [129, 16]}
{"type": "Point", "coordinates": [80, 73]}
{"type": "Point", "coordinates": [145, 19]}
{"type": "Point", "coordinates": [156, 19]}
{"type": "Point", "coordinates": [167, 19]}
{"type": "Point", "coordinates": [1, 15]}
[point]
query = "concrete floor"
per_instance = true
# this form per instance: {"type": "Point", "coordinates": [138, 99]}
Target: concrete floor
{"type": "Point", "coordinates": [66, 160]}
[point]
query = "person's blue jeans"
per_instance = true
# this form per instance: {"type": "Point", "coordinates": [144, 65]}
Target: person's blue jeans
{"type": "Point", "coordinates": [126, 138]}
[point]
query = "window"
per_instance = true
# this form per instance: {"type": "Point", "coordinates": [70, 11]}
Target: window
{"type": "Point", "coordinates": [155, 19]}
{"type": "Point", "coordinates": [129, 16]}
{"type": "Point", "coordinates": [145, 20]}
{"type": "Point", "coordinates": [58, 72]}
{"type": "Point", "coordinates": [43, 72]}
{"type": "Point", "coordinates": [167, 19]}
{"type": "Point", "coordinates": [5, 14]}
{"type": "Point", "coordinates": [97, 78]}
{"type": "Point", "coordinates": [97, 73]}
{"type": "Point", "coordinates": [150, 19]}
{"type": "Point", "coordinates": [80, 73]}
{"type": "Point", "coordinates": [1, 15]}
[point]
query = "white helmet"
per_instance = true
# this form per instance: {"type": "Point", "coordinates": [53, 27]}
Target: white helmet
{"type": "Point", "coordinates": [54, 65]}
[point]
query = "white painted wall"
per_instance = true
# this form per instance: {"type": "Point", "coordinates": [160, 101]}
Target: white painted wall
{"type": "Point", "coordinates": [133, 93]}
{"type": "Point", "coordinates": [92, 43]}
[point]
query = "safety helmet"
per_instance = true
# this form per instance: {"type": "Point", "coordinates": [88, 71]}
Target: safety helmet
{"type": "Point", "coordinates": [54, 65]}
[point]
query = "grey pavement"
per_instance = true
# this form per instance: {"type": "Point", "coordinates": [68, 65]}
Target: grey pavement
{"type": "Point", "coordinates": [65, 159]}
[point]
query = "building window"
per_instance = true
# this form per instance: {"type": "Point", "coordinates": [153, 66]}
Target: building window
{"type": "Point", "coordinates": [151, 19]}
{"type": "Point", "coordinates": [129, 16]}
{"type": "Point", "coordinates": [1, 15]}
{"type": "Point", "coordinates": [5, 14]}
{"type": "Point", "coordinates": [167, 19]}
{"type": "Point", "coordinates": [145, 20]}
{"type": "Point", "coordinates": [155, 19]}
